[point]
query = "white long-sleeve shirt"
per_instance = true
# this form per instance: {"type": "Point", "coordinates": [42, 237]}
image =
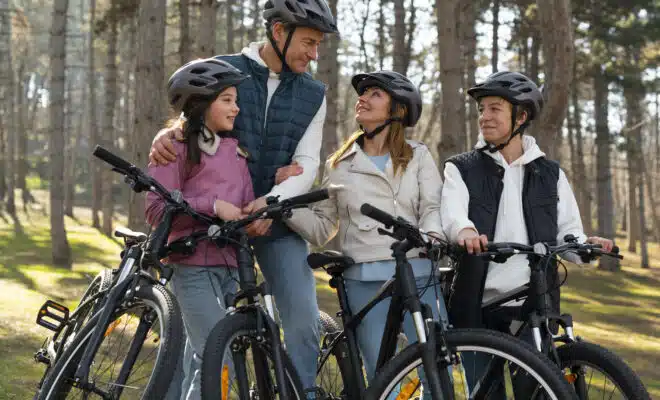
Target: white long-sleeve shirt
{"type": "Point", "coordinates": [308, 151]}
{"type": "Point", "coordinates": [510, 224]}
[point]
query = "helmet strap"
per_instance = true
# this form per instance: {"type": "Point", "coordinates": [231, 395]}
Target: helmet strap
{"type": "Point", "coordinates": [519, 131]}
{"type": "Point", "coordinates": [281, 54]}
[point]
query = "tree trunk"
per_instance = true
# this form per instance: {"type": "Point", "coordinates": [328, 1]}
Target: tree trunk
{"type": "Point", "coordinates": [604, 176]}
{"type": "Point", "coordinates": [399, 39]}
{"type": "Point", "coordinates": [209, 12]}
{"type": "Point", "coordinates": [581, 179]}
{"type": "Point", "coordinates": [253, 33]}
{"type": "Point", "coordinates": [9, 120]}
{"type": "Point", "coordinates": [495, 45]}
{"type": "Point", "coordinates": [380, 30]}
{"type": "Point", "coordinates": [453, 129]}
{"type": "Point", "coordinates": [652, 201]}
{"type": "Point", "coordinates": [558, 52]}
{"type": "Point", "coordinates": [229, 9]}
{"type": "Point", "coordinates": [328, 72]}
{"type": "Point", "coordinates": [21, 135]}
{"type": "Point", "coordinates": [470, 45]}
{"type": "Point", "coordinates": [410, 36]}
{"type": "Point", "coordinates": [184, 28]}
{"type": "Point", "coordinates": [643, 237]}
{"type": "Point", "coordinates": [60, 245]}
{"type": "Point", "coordinates": [149, 92]}
{"type": "Point", "coordinates": [94, 163]}
{"type": "Point", "coordinates": [71, 140]}
{"type": "Point", "coordinates": [107, 204]}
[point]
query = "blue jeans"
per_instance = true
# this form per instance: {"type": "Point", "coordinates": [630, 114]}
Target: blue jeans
{"type": "Point", "coordinates": [200, 293]}
{"type": "Point", "coordinates": [370, 331]}
{"type": "Point", "coordinates": [283, 263]}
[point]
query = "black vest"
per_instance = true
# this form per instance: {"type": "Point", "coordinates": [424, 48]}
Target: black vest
{"type": "Point", "coordinates": [483, 178]}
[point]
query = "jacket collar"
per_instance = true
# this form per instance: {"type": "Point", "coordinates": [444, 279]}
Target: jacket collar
{"type": "Point", "coordinates": [360, 163]}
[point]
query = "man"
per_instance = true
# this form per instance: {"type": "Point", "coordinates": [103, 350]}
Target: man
{"type": "Point", "coordinates": [280, 126]}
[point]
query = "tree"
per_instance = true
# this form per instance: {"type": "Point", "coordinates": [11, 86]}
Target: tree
{"type": "Point", "coordinates": [109, 128]}
{"type": "Point", "coordinates": [558, 52]}
{"type": "Point", "coordinates": [206, 36]}
{"type": "Point", "coordinates": [60, 246]}
{"type": "Point", "coordinates": [449, 50]}
{"type": "Point", "coordinates": [328, 72]}
{"type": "Point", "coordinates": [149, 92]}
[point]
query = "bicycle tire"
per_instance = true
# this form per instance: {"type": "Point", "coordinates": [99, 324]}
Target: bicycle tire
{"type": "Point", "coordinates": [334, 370]}
{"type": "Point", "coordinates": [102, 281]}
{"type": "Point", "coordinates": [222, 337]}
{"type": "Point", "coordinates": [58, 385]}
{"type": "Point", "coordinates": [490, 342]}
{"type": "Point", "coordinates": [577, 354]}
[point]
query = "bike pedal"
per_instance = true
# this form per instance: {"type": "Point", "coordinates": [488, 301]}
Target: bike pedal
{"type": "Point", "coordinates": [52, 316]}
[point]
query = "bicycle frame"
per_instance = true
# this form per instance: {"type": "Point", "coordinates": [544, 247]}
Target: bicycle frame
{"type": "Point", "coordinates": [403, 291]}
{"type": "Point", "coordinates": [250, 291]}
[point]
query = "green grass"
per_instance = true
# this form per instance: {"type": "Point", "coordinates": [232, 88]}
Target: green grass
{"type": "Point", "coordinates": [620, 311]}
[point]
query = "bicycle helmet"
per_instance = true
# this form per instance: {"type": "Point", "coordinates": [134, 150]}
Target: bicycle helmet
{"type": "Point", "coordinates": [201, 79]}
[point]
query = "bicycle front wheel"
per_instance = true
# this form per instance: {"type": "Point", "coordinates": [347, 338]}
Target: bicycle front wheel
{"type": "Point", "coordinates": [136, 359]}
{"type": "Point", "coordinates": [597, 373]}
{"type": "Point", "coordinates": [238, 362]}
{"type": "Point", "coordinates": [490, 365]}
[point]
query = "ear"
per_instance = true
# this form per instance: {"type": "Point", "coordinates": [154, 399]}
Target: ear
{"type": "Point", "coordinates": [522, 117]}
{"type": "Point", "coordinates": [278, 31]}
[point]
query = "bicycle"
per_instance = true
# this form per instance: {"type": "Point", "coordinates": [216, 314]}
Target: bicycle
{"type": "Point", "coordinates": [574, 356]}
{"type": "Point", "coordinates": [135, 300]}
{"type": "Point", "coordinates": [435, 362]}
{"type": "Point", "coordinates": [249, 333]}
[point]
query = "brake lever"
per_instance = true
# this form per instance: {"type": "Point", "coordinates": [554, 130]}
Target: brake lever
{"type": "Point", "coordinates": [385, 232]}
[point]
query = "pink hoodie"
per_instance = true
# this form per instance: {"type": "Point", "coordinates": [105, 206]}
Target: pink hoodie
{"type": "Point", "coordinates": [223, 176]}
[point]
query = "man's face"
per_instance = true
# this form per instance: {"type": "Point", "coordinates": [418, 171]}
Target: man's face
{"type": "Point", "coordinates": [303, 48]}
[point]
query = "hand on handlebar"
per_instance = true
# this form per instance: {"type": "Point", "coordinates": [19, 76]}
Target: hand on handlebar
{"type": "Point", "coordinates": [606, 244]}
{"type": "Point", "coordinates": [472, 241]}
{"type": "Point", "coordinates": [259, 227]}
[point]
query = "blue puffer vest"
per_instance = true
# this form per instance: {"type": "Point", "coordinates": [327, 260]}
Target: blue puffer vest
{"type": "Point", "coordinates": [272, 143]}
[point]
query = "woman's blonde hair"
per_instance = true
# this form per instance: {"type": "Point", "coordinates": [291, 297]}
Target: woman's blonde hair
{"type": "Point", "coordinates": [400, 151]}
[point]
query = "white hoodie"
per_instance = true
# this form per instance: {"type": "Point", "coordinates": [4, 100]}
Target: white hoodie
{"type": "Point", "coordinates": [308, 151]}
{"type": "Point", "coordinates": [510, 224]}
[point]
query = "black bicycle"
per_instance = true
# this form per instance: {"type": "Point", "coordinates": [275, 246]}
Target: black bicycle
{"type": "Point", "coordinates": [436, 365]}
{"type": "Point", "coordinates": [124, 339]}
{"type": "Point", "coordinates": [594, 372]}
{"type": "Point", "coordinates": [243, 357]}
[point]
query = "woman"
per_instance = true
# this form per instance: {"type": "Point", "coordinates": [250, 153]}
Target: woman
{"type": "Point", "coordinates": [211, 172]}
{"type": "Point", "coordinates": [377, 165]}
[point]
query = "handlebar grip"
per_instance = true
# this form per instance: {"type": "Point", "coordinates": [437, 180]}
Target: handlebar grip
{"type": "Point", "coordinates": [111, 159]}
{"type": "Point", "coordinates": [307, 198]}
{"type": "Point", "coordinates": [615, 249]}
{"type": "Point", "coordinates": [378, 214]}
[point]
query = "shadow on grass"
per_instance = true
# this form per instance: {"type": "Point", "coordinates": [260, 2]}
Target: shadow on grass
{"type": "Point", "coordinates": [614, 299]}
{"type": "Point", "coordinates": [33, 249]}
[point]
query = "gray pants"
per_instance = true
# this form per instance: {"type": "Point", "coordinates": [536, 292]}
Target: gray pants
{"type": "Point", "coordinates": [200, 293]}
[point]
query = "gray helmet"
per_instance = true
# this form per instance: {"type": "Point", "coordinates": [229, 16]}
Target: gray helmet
{"type": "Point", "coordinates": [313, 14]}
{"type": "Point", "coordinates": [398, 86]}
{"type": "Point", "coordinates": [514, 87]}
{"type": "Point", "coordinates": [202, 80]}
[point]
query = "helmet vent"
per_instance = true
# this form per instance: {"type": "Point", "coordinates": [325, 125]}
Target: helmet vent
{"type": "Point", "coordinates": [290, 7]}
{"type": "Point", "coordinates": [197, 83]}
{"type": "Point", "coordinates": [198, 71]}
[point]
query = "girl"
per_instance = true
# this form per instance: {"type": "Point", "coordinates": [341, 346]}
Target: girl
{"type": "Point", "coordinates": [212, 174]}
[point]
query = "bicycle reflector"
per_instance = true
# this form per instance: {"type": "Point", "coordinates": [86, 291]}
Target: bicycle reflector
{"type": "Point", "coordinates": [52, 316]}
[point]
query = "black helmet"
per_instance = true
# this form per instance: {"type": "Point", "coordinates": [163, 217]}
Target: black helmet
{"type": "Point", "coordinates": [201, 79]}
{"type": "Point", "coordinates": [313, 14]}
{"type": "Point", "coordinates": [398, 86]}
{"type": "Point", "coordinates": [515, 87]}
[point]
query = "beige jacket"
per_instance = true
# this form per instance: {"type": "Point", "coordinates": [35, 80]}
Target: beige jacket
{"type": "Point", "coordinates": [414, 195]}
